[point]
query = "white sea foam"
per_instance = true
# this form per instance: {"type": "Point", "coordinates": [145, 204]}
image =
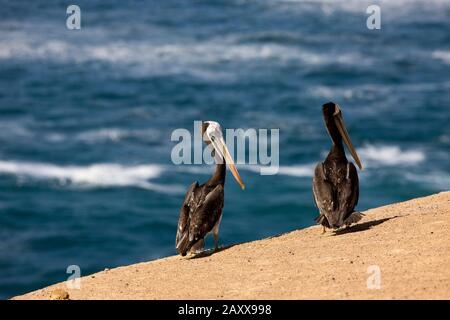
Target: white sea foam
{"type": "Point", "coordinates": [194, 169]}
{"type": "Point", "coordinates": [116, 134]}
{"type": "Point", "coordinates": [375, 91]}
{"type": "Point", "coordinates": [371, 155]}
{"type": "Point", "coordinates": [191, 57]}
{"type": "Point", "coordinates": [444, 56]}
{"type": "Point", "coordinates": [306, 170]}
{"type": "Point", "coordinates": [437, 180]}
{"type": "Point", "coordinates": [332, 93]}
{"type": "Point", "coordinates": [112, 134]}
{"type": "Point", "coordinates": [399, 7]}
{"type": "Point", "coordinates": [95, 175]}
{"type": "Point", "coordinates": [388, 155]}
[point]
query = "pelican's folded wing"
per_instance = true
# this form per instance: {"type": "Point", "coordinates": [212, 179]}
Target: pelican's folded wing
{"type": "Point", "coordinates": [183, 220]}
{"type": "Point", "coordinates": [207, 215]}
{"type": "Point", "coordinates": [323, 195]}
{"type": "Point", "coordinates": [348, 198]}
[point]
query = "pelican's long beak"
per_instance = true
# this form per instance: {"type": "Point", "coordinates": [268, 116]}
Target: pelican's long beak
{"type": "Point", "coordinates": [343, 130]}
{"type": "Point", "coordinates": [221, 148]}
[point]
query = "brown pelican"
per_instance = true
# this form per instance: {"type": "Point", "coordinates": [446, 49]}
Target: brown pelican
{"type": "Point", "coordinates": [335, 182]}
{"type": "Point", "coordinates": [201, 211]}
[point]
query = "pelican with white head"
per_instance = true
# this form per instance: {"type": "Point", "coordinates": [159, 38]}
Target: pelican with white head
{"type": "Point", "coordinates": [201, 211]}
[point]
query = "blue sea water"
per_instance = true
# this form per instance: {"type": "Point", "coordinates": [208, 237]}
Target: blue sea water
{"type": "Point", "coordinates": [86, 116]}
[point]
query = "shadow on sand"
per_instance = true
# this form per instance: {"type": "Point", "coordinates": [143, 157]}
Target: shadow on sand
{"type": "Point", "coordinates": [210, 252]}
{"type": "Point", "coordinates": [362, 226]}
{"type": "Point", "coordinates": [355, 228]}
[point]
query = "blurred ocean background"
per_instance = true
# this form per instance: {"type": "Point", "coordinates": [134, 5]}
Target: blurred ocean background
{"type": "Point", "coordinates": [86, 117]}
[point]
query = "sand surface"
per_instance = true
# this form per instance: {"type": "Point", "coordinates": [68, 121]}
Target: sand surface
{"type": "Point", "coordinates": [409, 243]}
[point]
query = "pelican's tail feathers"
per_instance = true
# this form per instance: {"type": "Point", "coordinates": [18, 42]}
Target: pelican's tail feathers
{"type": "Point", "coordinates": [183, 244]}
{"type": "Point", "coordinates": [321, 219]}
{"type": "Point", "coordinates": [353, 218]}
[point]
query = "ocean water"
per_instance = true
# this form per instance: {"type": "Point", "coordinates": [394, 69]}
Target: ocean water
{"type": "Point", "coordinates": [86, 116]}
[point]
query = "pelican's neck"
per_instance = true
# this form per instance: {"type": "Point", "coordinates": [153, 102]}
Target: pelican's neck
{"type": "Point", "coordinates": [337, 149]}
{"type": "Point", "coordinates": [219, 174]}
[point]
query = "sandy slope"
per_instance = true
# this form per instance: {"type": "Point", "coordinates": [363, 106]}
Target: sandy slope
{"type": "Point", "coordinates": [409, 241]}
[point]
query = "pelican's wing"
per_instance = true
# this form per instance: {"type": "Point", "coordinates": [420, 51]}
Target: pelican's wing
{"type": "Point", "coordinates": [207, 215]}
{"type": "Point", "coordinates": [336, 203]}
{"type": "Point", "coordinates": [186, 208]}
{"type": "Point", "coordinates": [349, 191]}
{"type": "Point", "coordinates": [323, 195]}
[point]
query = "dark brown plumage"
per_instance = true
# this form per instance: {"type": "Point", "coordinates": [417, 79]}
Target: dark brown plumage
{"type": "Point", "coordinates": [201, 211]}
{"type": "Point", "coordinates": [335, 182]}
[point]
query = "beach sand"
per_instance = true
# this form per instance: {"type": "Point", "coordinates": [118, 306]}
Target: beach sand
{"type": "Point", "coordinates": [408, 242]}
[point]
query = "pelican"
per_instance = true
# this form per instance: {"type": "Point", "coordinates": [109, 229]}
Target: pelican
{"type": "Point", "coordinates": [201, 211]}
{"type": "Point", "coordinates": [335, 182]}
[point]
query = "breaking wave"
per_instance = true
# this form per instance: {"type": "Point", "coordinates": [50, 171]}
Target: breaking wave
{"type": "Point", "coordinates": [444, 56]}
{"type": "Point", "coordinates": [169, 58]}
{"type": "Point", "coordinates": [389, 155]}
{"type": "Point", "coordinates": [95, 175]}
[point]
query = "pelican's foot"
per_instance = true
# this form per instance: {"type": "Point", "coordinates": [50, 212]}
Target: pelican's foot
{"type": "Point", "coordinates": [324, 229]}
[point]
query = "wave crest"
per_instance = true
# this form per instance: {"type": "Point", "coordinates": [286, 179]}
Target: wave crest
{"type": "Point", "coordinates": [95, 175]}
{"type": "Point", "coordinates": [390, 155]}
